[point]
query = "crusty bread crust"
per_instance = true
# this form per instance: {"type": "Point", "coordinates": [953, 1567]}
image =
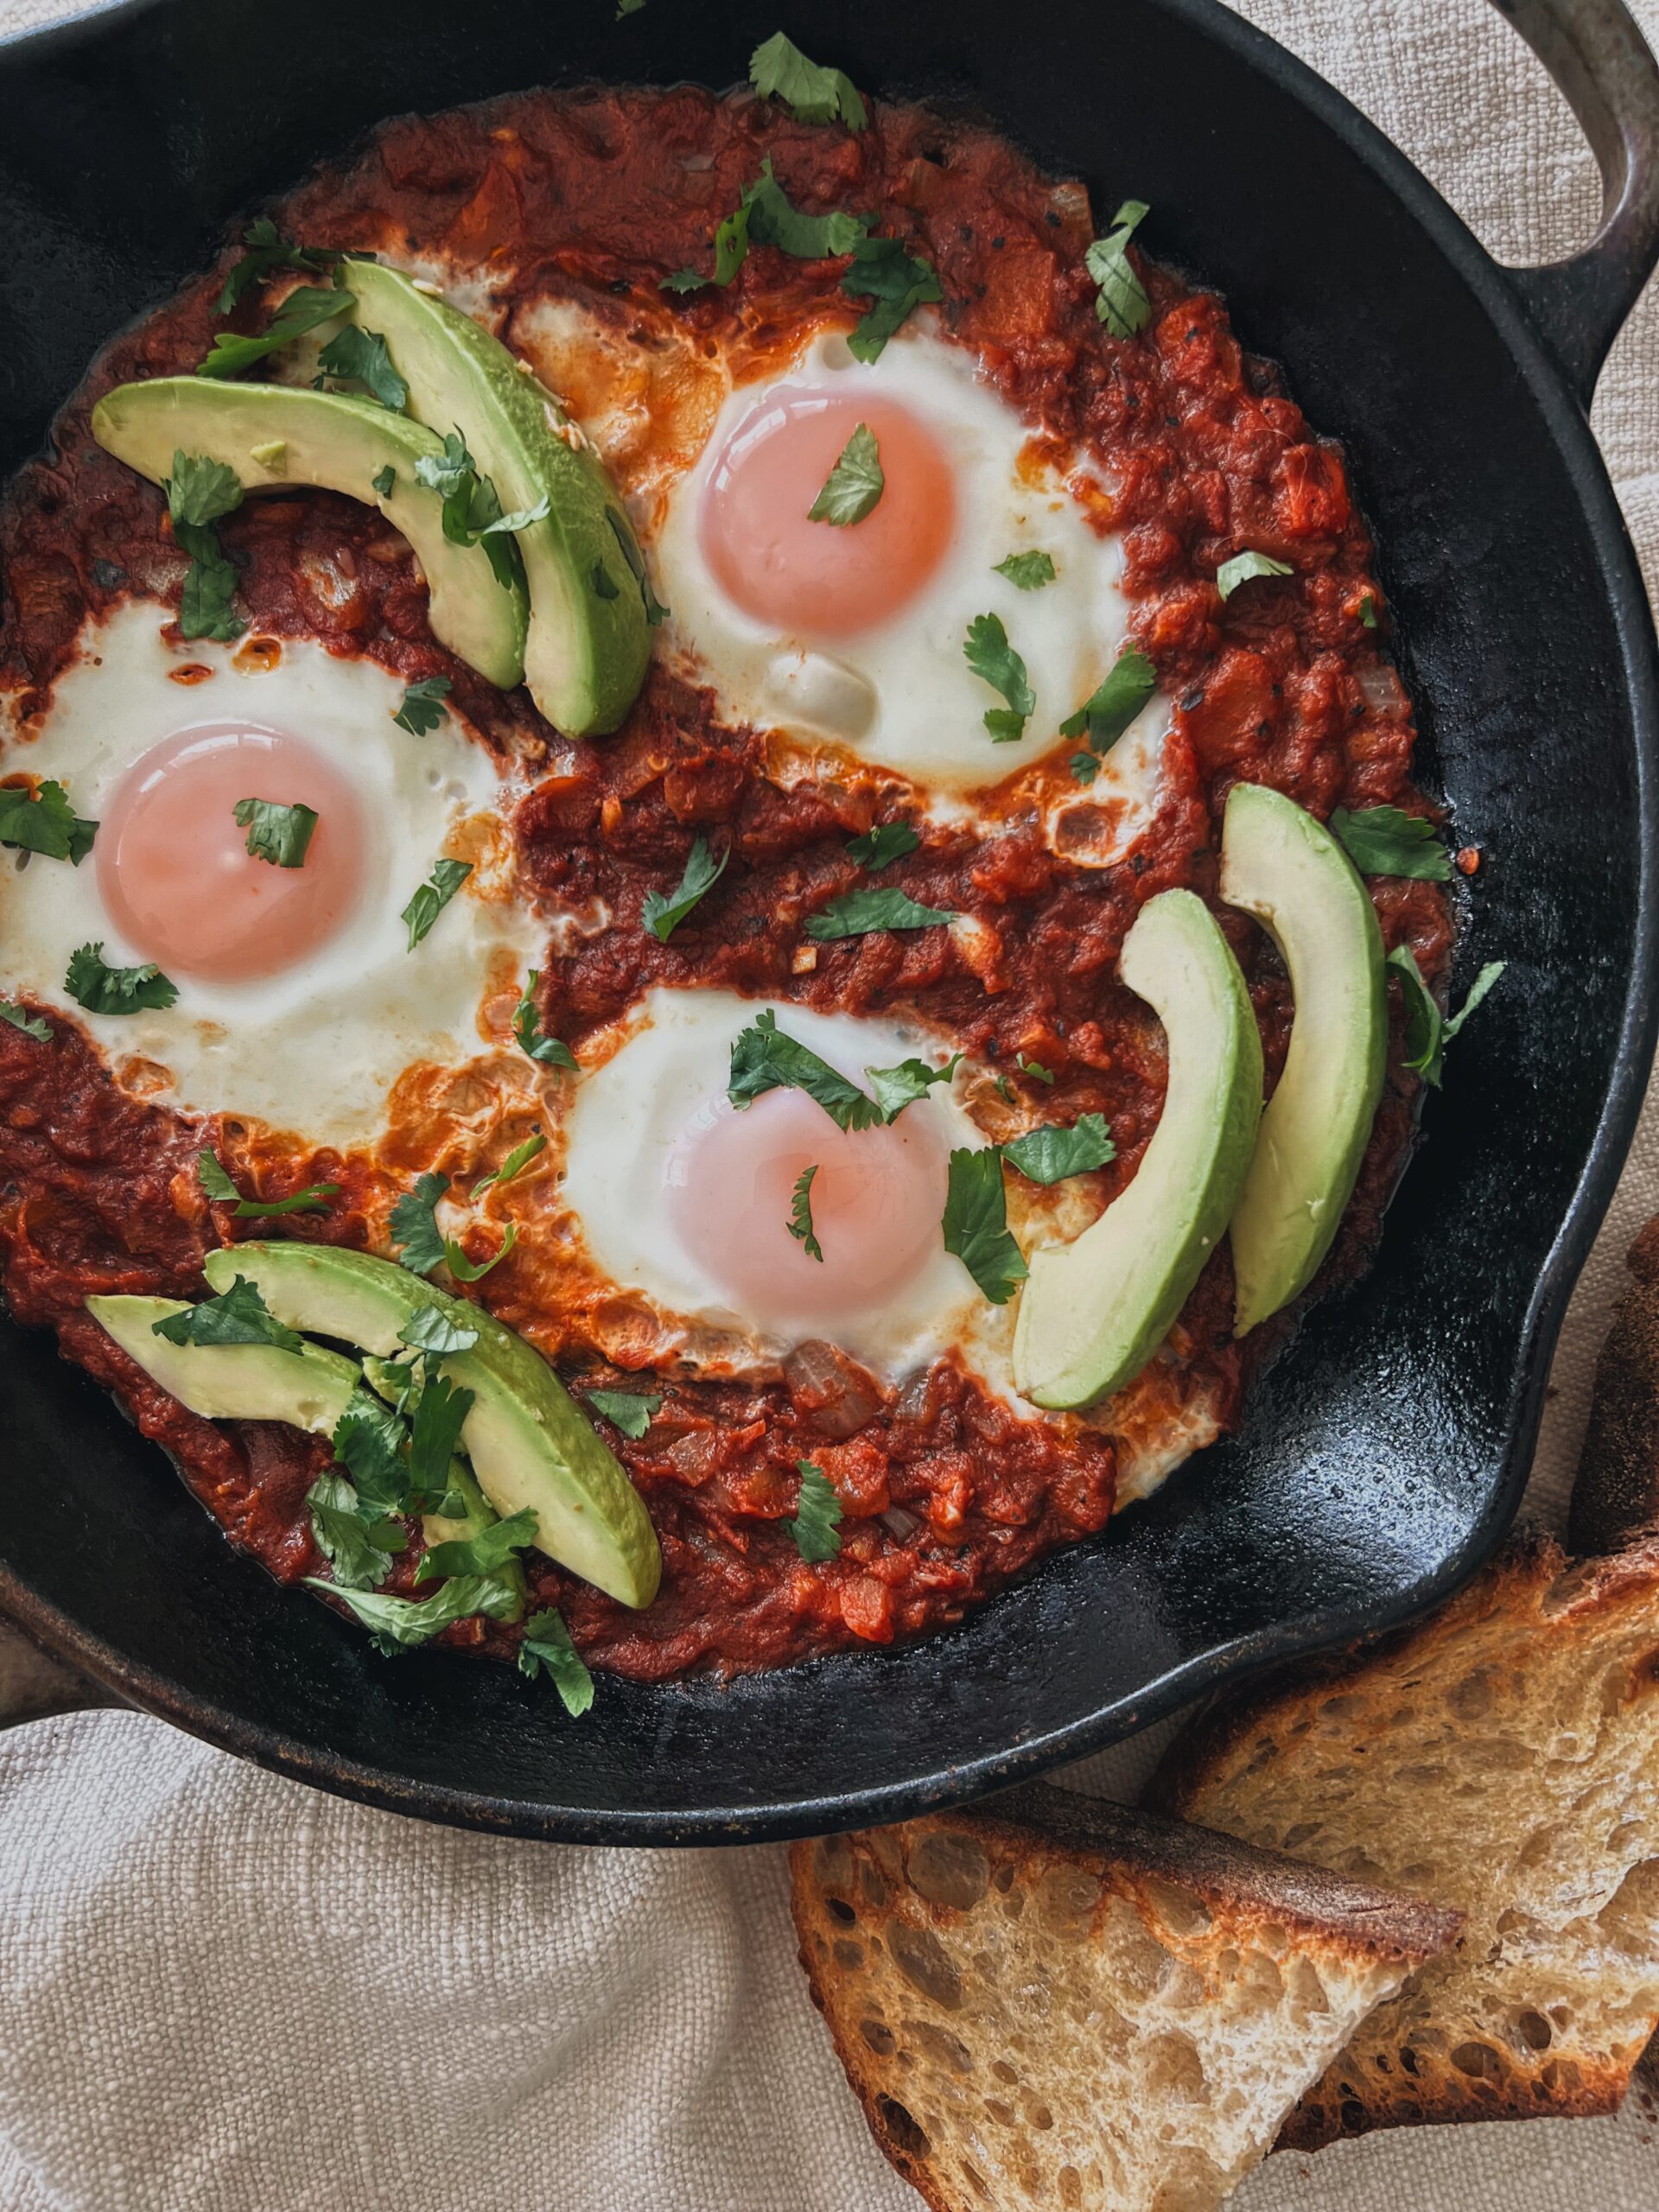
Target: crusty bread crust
{"type": "Point", "coordinates": [1616, 1491]}
{"type": "Point", "coordinates": [1502, 1756]}
{"type": "Point", "coordinates": [1180, 1989]}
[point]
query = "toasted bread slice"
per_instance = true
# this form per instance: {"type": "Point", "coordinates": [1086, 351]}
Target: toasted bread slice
{"type": "Point", "coordinates": [1502, 1757]}
{"type": "Point", "coordinates": [1616, 1491]}
{"type": "Point", "coordinates": [1051, 2005]}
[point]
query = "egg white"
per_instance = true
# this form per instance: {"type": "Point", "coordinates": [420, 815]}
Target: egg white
{"type": "Point", "coordinates": [318, 1047]}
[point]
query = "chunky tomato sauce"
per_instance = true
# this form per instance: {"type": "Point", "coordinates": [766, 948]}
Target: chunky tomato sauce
{"type": "Point", "coordinates": [593, 200]}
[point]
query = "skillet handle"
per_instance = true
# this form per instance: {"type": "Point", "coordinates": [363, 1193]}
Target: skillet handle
{"type": "Point", "coordinates": [1600, 61]}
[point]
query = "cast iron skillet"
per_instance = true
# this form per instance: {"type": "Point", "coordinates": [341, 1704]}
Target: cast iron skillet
{"type": "Point", "coordinates": [1384, 1457]}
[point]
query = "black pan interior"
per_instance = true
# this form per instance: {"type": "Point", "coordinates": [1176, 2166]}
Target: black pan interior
{"type": "Point", "coordinates": [1384, 1456]}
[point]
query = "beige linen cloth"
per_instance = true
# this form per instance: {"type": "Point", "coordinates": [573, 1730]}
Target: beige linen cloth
{"type": "Point", "coordinates": [222, 1992]}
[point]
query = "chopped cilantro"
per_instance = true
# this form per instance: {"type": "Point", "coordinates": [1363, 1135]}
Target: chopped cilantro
{"type": "Point", "coordinates": [39, 819]}
{"type": "Point", "coordinates": [800, 1214]}
{"type": "Point", "coordinates": [993, 658]}
{"type": "Point", "coordinates": [1428, 1031]}
{"type": "Point", "coordinates": [487, 1553]}
{"type": "Point", "coordinates": [778, 70]}
{"type": "Point", "coordinates": [976, 1223]}
{"type": "Point", "coordinates": [423, 707]}
{"type": "Point", "coordinates": [414, 1225]}
{"type": "Point", "coordinates": [1034, 1069]}
{"type": "Point", "coordinates": [301, 311]}
{"type": "Point", "coordinates": [237, 1316]}
{"type": "Point", "coordinates": [1108, 710]}
{"type": "Point", "coordinates": [888, 841]}
{"type": "Point", "coordinates": [103, 989]}
{"type": "Point", "coordinates": [547, 1648]}
{"type": "Point", "coordinates": [1244, 566]}
{"type": "Point", "coordinates": [817, 1524]}
{"type": "Point", "coordinates": [1122, 305]}
{"type": "Point", "coordinates": [358, 1543]}
{"type": "Point", "coordinates": [431, 1329]}
{"type": "Point", "coordinates": [853, 484]}
{"type": "Point", "coordinates": [897, 281]}
{"type": "Point", "coordinates": [354, 355]}
{"type": "Point", "coordinates": [629, 1410]}
{"type": "Point", "coordinates": [1368, 610]}
{"type": "Point", "coordinates": [276, 833]}
{"type": "Point", "coordinates": [400, 1623]}
{"type": "Point", "coordinates": [1027, 571]}
{"type": "Point", "coordinates": [384, 480]}
{"type": "Point", "coordinates": [515, 1163]}
{"type": "Point", "coordinates": [662, 912]}
{"type": "Point", "coordinates": [1050, 1154]}
{"type": "Point", "coordinates": [430, 901]}
{"type": "Point", "coordinates": [268, 250]}
{"type": "Point", "coordinates": [472, 510]}
{"type": "Point", "coordinates": [1387, 840]}
{"type": "Point", "coordinates": [765, 216]}
{"type": "Point", "coordinates": [628, 545]}
{"type": "Point", "coordinates": [533, 1037]}
{"type": "Point", "coordinates": [436, 1430]}
{"type": "Point", "coordinates": [765, 1058]}
{"type": "Point", "coordinates": [368, 1440]}
{"type": "Point", "coordinates": [30, 1024]}
{"type": "Point", "coordinates": [897, 1088]}
{"type": "Point", "coordinates": [466, 1270]}
{"type": "Point", "coordinates": [210, 1173]}
{"type": "Point", "coordinates": [858, 913]}
{"type": "Point", "coordinates": [200, 491]}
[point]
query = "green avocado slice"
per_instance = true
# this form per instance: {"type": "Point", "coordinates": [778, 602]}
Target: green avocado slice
{"type": "Point", "coordinates": [1094, 1311]}
{"type": "Point", "coordinates": [1281, 865]}
{"type": "Point", "coordinates": [589, 637]}
{"type": "Point", "coordinates": [277, 436]}
{"type": "Point", "coordinates": [529, 1444]}
{"type": "Point", "coordinates": [310, 1388]}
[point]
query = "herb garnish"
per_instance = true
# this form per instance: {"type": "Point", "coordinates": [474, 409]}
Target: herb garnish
{"type": "Point", "coordinates": [858, 913]}
{"type": "Point", "coordinates": [39, 819]}
{"type": "Point", "coordinates": [433, 895]}
{"type": "Point", "coordinates": [629, 1410]}
{"type": "Point", "coordinates": [301, 311]}
{"type": "Point", "coordinates": [423, 707]}
{"type": "Point", "coordinates": [1107, 713]}
{"type": "Point", "coordinates": [1122, 306]}
{"type": "Point", "coordinates": [435, 1432]}
{"type": "Point", "coordinates": [103, 989]}
{"type": "Point", "coordinates": [1026, 571]}
{"type": "Point", "coordinates": [765, 1058]}
{"type": "Point", "coordinates": [414, 1225]}
{"type": "Point", "coordinates": [991, 657]}
{"type": "Point", "coordinates": [1387, 840]}
{"type": "Point", "coordinates": [199, 492]}
{"type": "Point", "coordinates": [778, 70]}
{"type": "Point", "coordinates": [368, 1440]}
{"type": "Point", "coordinates": [384, 480]}
{"type": "Point", "coordinates": [210, 1173]}
{"type": "Point", "coordinates": [515, 1163]}
{"type": "Point", "coordinates": [1428, 1031]}
{"type": "Point", "coordinates": [1244, 566]}
{"type": "Point", "coordinates": [1049, 1154]}
{"type": "Point", "coordinates": [276, 833]}
{"type": "Point", "coordinates": [601, 580]}
{"type": "Point", "coordinates": [663, 912]}
{"type": "Point", "coordinates": [888, 841]}
{"type": "Point", "coordinates": [547, 1645]}
{"type": "Point", "coordinates": [1368, 610]}
{"type": "Point", "coordinates": [656, 612]}
{"type": "Point", "coordinates": [359, 1542]}
{"type": "Point", "coordinates": [897, 281]}
{"type": "Point", "coordinates": [765, 216]}
{"type": "Point", "coordinates": [354, 355]}
{"type": "Point", "coordinates": [471, 508]}
{"type": "Point", "coordinates": [399, 1624]}
{"type": "Point", "coordinates": [1034, 1069]}
{"type": "Point", "coordinates": [817, 1524]}
{"type": "Point", "coordinates": [466, 1270]}
{"type": "Point", "coordinates": [237, 1316]}
{"type": "Point", "coordinates": [800, 1213]}
{"type": "Point", "coordinates": [976, 1224]}
{"type": "Point", "coordinates": [431, 1329]}
{"type": "Point", "coordinates": [268, 250]}
{"type": "Point", "coordinates": [897, 1088]}
{"type": "Point", "coordinates": [487, 1553]}
{"type": "Point", "coordinates": [30, 1024]}
{"type": "Point", "coordinates": [533, 1040]}
{"type": "Point", "coordinates": [853, 484]}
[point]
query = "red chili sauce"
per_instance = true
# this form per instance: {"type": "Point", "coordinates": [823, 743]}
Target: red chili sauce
{"type": "Point", "coordinates": [595, 198]}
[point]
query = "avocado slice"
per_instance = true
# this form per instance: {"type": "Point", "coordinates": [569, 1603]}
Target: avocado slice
{"type": "Point", "coordinates": [1094, 1311]}
{"type": "Point", "coordinates": [1281, 865]}
{"type": "Point", "coordinates": [528, 1444]}
{"type": "Point", "coordinates": [589, 639]}
{"type": "Point", "coordinates": [277, 436]}
{"type": "Point", "coordinates": [310, 1388]}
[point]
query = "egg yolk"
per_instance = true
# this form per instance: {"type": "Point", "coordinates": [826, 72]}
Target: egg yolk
{"type": "Point", "coordinates": [820, 579]}
{"type": "Point", "coordinates": [173, 870]}
{"type": "Point", "coordinates": [877, 1199]}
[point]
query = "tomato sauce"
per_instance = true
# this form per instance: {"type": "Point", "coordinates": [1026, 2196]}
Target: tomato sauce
{"type": "Point", "coordinates": [593, 199]}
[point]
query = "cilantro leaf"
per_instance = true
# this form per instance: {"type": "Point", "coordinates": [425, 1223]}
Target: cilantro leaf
{"type": "Point", "coordinates": [368, 1440]}
{"type": "Point", "coordinates": [817, 1524]}
{"type": "Point", "coordinates": [601, 580]}
{"type": "Point", "coordinates": [1122, 306]}
{"type": "Point", "coordinates": [1050, 1154]}
{"type": "Point", "coordinates": [629, 1410]}
{"type": "Point", "coordinates": [210, 1173]}
{"type": "Point", "coordinates": [103, 989]}
{"type": "Point", "coordinates": [466, 1270]}
{"type": "Point", "coordinates": [30, 1024]}
{"type": "Point", "coordinates": [1035, 1069]}
{"type": "Point", "coordinates": [301, 311]}
{"type": "Point", "coordinates": [533, 1038]}
{"type": "Point", "coordinates": [1244, 566]}
{"type": "Point", "coordinates": [237, 1316]}
{"type": "Point", "coordinates": [354, 355]}
{"type": "Point", "coordinates": [384, 480]}
{"type": "Point", "coordinates": [1368, 610]}
{"type": "Point", "coordinates": [1387, 840]}
{"type": "Point", "coordinates": [774, 220]}
{"type": "Point", "coordinates": [1428, 1031]}
{"type": "Point", "coordinates": [423, 707]}
{"type": "Point", "coordinates": [431, 1329]}
{"type": "Point", "coordinates": [656, 612]}
{"type": "Point", "coordinates": [857, 913]}
{"type": "Point", "coordinates": [663, 912]}
{"type": "Point", "coordinates": [200, 490]}
{"type": "Point", "coordinates": [993, 658]}
{"type": "Point", "coordinates": [268, 250]}
{"type": "Point", "coordinates": [685, 279]}
{"type": "Point", "coordinates": [853, 484]}
{"type": "Point", "coordinates": [897, 1088]}
{"type": "Point", "coordinates": [414, 1225]}
{"type": "Point", "coordinates": [472, 512]}
{"type": "Point", "coordinates": [276, 833]}
{"type": "Point", "coordinates": [800, 1214]}
{"type": "Point", "coordinates": [1026, 571]}
{"type": "Point", "coordinates": [515, 1163]}
{"type": "Point", "coordinates": [39, 819]}
{"type": "Point", "coordinates": [976, 1223]}
{"type": "Point", "coordinates": [436, 1430]}
{"type": "Point", "coordinates": [401, 1622]}
{"type": "Point", "coordinates": [778, 70]}
{"type": "Point", "coordinates": [359, 1545]}
{"type": "Point", "coordinates": [1108, 710]}
{"type": "Point", "coordinates": [487, 1553]}
{"type": "Point", "coordinates": [433, 895]}
{"type": "Point", "coordinates": [1084, 766]}
{"type": "Point", "coordinates": [765, 1058]}
{"type": "Point", "coordinates": [897, 281]}
{"type": "Point", "coordinates": [547, 1647]}
{"type": "Point", "coordinates": [888, 841]}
